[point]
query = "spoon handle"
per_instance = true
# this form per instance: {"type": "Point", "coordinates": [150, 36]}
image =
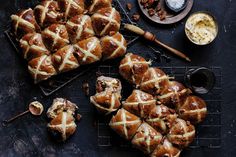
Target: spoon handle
{"type": "Point", "coordinates": [5, 122]}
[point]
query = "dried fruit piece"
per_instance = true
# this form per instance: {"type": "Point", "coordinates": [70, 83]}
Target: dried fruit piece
{"type": "Point", "coordinates": [129, 6]}
{"type": "Point", "coordinates": [136, 17]}
{"type": "Point", "coordinates": [151, 12]}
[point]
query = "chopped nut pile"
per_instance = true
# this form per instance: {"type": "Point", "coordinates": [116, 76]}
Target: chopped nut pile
{"type": "Point", "coordinates": [154, 8]}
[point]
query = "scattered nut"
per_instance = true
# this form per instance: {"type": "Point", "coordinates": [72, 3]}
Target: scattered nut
{"type": "Point", "coordinates": [151, 12]}
{"type": "Point", "coordinates": [129, 6]}
{"type": "Point", "coordinates": [136, 17]}
{"type": "Point", "coordinates": [78, 117]}
{"type": "Point", "coordinates": [85, 87]}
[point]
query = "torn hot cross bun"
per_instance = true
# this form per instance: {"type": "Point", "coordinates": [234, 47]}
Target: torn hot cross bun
{"type": "Point", "coordinates": [79, 27]}
{"type": "Point", "coordinates": [166, 149]}
{"type": "Point", "coordinates": [99, 4]}
{"type": "Point", "coordinates": [64, 59]}
{"type": "Point", "coordinates": [47, 13]}
{"type": "Point", "coordinates": [41, 68]}
{"type": "Point", "coordinates": [24, 22]}
{"type": "Point", "coordinates": [108, 83]}
{"type": "Point", "coordinates": [161, 118]}
{"type": "Point", "coordinates": [71, 7]}
{"type": "Point", "coordinates": [139, 103]}
{"type": "Point", "coordinates": [55, 37]}
{"type": "Point", "coordinates": [32, 46]}
{"type": "Point", "coordinates": [125, 123]}
{"type": "Point", "coordinates": [181, 133]}
{"type": "Point", "coordinates": [62, 124]}
{"type": "Point", "coordinates": [132, 67]}
{"type": "Point", "coordinates": [106, 20]}
{"type": "Point", "coordinates": [59, 105]}
{"type": "Point", "coordinates": [172, 93]}
{"type": "Point", "coordinates": [153, 81]}
{"type": "Point", "coordinates": [88, 51]}
{"type": "Point", "coordinates": [146, 138]}
{"type": "Point", "coordinates": [107, 98]}
{"type": "Point", "coordinates": [113, 46]}
{"type": "Point", "coordinates": [193, 109]}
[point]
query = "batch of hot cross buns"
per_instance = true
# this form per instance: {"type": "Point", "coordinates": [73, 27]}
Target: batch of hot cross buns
{"type": "Point", "coordinates": [159, 115]}
{"type": "Point", "coordinates": [60, 35]}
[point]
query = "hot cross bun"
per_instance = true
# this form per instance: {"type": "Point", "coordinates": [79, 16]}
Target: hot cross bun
{"type": "Point", "coordinates": [55, 37]}
{"type": "Point", "coordinates": [41, 68]}
{"type": "Point", "coordinates": [106, 20]}
{"type": "Point", "coordinates": [24, 22]}
{"type": "Point", "coordinates": [161, 118]}
{"type": "Point", "coordinates": [64, 59]}
{"type": "Point", "coordinates": [181, 133]}
{"type": "Point", "coordinates": [107, 98]}
{"type": "Point", "coordinates": [98, 4]}
{"type": "Point", "coordinates": [113, 46]}
{"type": "Point", "coordinates": [193, 109]}
{"type": "Point", "coordinates": [88, 51]}
{"type": "Point", "coordinates": [132, 67]}
{"type": "Point", "coordinates": [125, 123]}
{"type": "Point", "coordinates": [139, 103]}
{"type": "Point", "coordinates": [71, 7]}
{"type": "Point", "coordinates": [32, 46]}
{"type": "Point", "coordinates": [79, 27]}
{"type": "Point", "coordinates": [146, 138]}
{"type": "Point", "coordinates": [153, 81]}
{"type": "Point", "coordinates": [47, 13]}
{"type": "Point", "coordinates": [166, 149]}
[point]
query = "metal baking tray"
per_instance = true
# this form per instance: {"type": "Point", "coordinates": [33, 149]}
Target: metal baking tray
{"type": "Point", "coordinates": [55, 83]}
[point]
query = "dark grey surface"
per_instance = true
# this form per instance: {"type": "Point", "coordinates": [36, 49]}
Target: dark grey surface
{"type": "Point", "coordinates": [28, 137]}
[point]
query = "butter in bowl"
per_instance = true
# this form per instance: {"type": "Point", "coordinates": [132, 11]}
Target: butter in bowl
{"type": "Point", "coordinates": [201, 28]}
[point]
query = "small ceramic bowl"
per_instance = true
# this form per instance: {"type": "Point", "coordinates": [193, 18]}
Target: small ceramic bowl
{"type": "Point", "coordinates": [176, 10]}
{"type": "Point", "coordinates": [188, 22]}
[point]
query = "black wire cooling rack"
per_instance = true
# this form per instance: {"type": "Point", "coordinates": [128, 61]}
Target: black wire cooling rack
{"type": "Point", "coordinates": [208, 133]}
{"type": "Point", "coordinates": [55, 83]}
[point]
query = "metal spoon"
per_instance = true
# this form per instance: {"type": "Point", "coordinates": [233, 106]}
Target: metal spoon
{"type": "Point", "coordinates": [35, 108]}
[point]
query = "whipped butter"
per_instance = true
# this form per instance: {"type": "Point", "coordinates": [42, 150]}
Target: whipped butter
{"type": "Point", "coordinates": [201, 28]}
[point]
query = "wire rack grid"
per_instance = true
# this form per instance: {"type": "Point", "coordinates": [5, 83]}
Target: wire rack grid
{"type": "Point", "coordinates": [208, 133]}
